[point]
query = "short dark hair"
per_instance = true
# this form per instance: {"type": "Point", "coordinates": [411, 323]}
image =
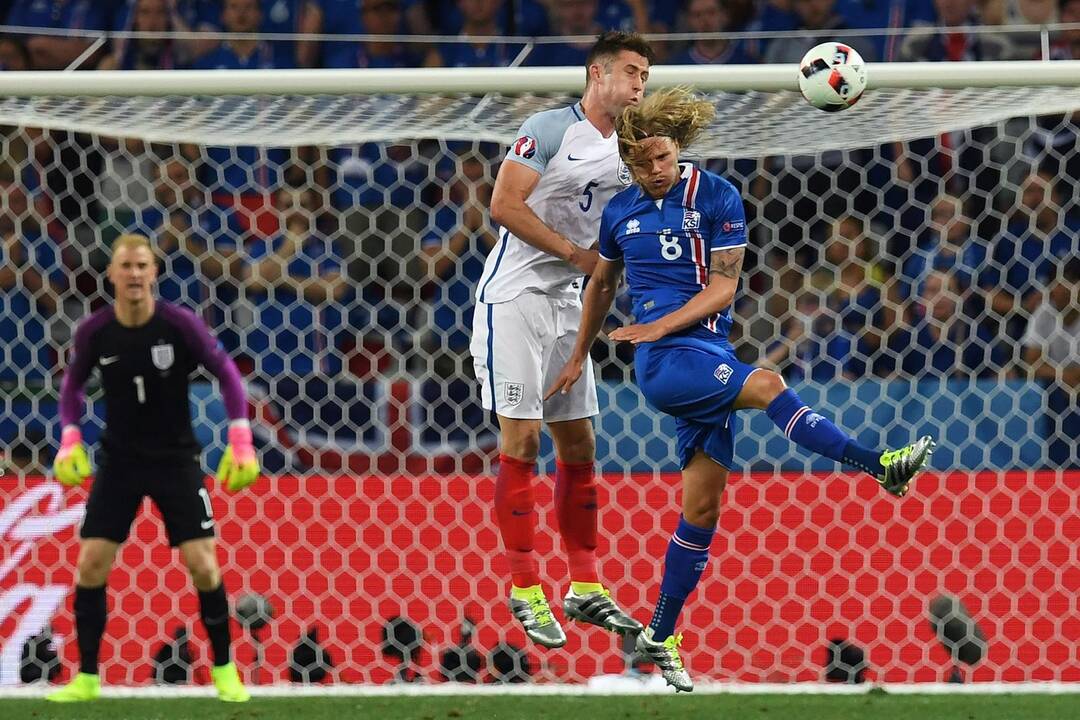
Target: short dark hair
{"type": "Point", "coordinates": [611, 43]}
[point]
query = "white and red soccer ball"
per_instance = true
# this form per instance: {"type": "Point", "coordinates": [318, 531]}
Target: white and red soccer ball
{"type": "Point", "coordinates": [832, 76]}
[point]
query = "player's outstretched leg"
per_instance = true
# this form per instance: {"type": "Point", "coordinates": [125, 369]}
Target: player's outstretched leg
{"type": "Point", "coordinates": [587, 601]}
{"type": "Point", "coordinates": [894, 470]}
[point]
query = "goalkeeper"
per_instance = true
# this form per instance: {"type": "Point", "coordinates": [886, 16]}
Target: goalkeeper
{"type": "Point", "coordinates": [145, 350]}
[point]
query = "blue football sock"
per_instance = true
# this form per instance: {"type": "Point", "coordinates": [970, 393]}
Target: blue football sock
{"type": "Point", "coordinates": [687, 555]}
{"type": "Point", "coordinates": [817, 433]}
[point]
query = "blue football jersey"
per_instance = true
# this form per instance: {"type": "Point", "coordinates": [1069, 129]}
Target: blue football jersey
{"type": "Point", "coordinates": [666, 244]}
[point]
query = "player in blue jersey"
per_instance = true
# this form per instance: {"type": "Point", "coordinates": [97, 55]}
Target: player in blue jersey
{"type": "Point", "coordinates": [680, 232]}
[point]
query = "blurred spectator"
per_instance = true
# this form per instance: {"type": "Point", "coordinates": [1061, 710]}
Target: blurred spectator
{"type": "Point", "coordinates": [889, 14]}
{"type": "Point", "coordinates": [1023, 261]}
{"type": "Point", "coordinates": [290, 280]}
{"type": "Point", "coordinates": [1052, 147]}
{"type": "Point", "coordinates": [478, 19]}
{"type": "Point", "coordinates": [57, 52]}
{"type": "Point", "coordinates": [956, 161]}
{"type": "Point", "coordinates": [1028, 45]}
{"type": "Point", "coordinates": [840, 322]}
{"type": "Point", "coordinates": [928, 42]}
{"type": "Point", "coordinates": [351, 16]}
{"type": "Point", "coordinates": [937, 340]}
{"type": "Point", "coordinates": [377, 193]}
{"type": "Point", "coordinates": [244, 177]}
{"type": "Point", "coordinates": [515, 17]}
{"type": "Point", "coordinates": [948, 245]}
{"type": "Point", "coordinates": [1052, 355]}
{"type": "Point", "coordinates": [292, 305]}
{"type": "Point", "coordinates": [13, 54]}
{"type": "Point", "coordinates": [1067, 43]}
{"type": "Point", "coordinates": [180, 16]}
{"type": "Point", "coordinates": [31, 282]}
{"type": "Point", "coordinates": [569, 17]}
{"type": "Point", "coordinates": [283, 16]}
{"type": "Point", "coordinates": [144, 53]}
{"type": "Point", "coordinates": [454, 249]}
{"type": "Point", "coordinates": [240, 16]}
{"type": "Point", "coordinates": [819, 22]}
{"type": "Point", "coordinates": [174, 220]}
{"type": "Point", "coordinates": [380, 17]}
{"type": "Point", "coordinates": [710, 16]}
{"type": "Point", "coordinates": [768, 16]}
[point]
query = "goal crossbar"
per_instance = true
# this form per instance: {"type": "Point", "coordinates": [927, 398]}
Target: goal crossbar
{"type": "Point", "coordinates": [727, 78]}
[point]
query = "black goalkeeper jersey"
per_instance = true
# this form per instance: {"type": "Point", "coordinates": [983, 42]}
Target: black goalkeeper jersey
{"type": "Point", "coordinates": [145, 373]}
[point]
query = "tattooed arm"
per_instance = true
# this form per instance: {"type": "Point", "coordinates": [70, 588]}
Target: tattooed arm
{"type": "Point", "coordinates": [724, 271]}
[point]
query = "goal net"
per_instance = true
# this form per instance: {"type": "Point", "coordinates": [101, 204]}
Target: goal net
{"type": "Point", "coordinates": [905, 274]}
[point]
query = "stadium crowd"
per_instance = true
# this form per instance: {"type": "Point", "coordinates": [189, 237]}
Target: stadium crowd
{"type": "Point", "coordinates": [323, 268]}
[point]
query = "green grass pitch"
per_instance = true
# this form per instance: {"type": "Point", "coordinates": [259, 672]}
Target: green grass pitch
{"type": "Point", "coordinates": [874, 706]}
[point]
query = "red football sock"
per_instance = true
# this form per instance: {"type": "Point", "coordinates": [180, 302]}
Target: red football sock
{"type": "Point", "coordinates": [575, 506]}
{"type": "Point", "coordinates": [514, 501]}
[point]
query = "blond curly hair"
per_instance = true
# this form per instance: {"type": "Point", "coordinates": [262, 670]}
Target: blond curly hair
{"type": "Point", "coordinates": [676, 113]}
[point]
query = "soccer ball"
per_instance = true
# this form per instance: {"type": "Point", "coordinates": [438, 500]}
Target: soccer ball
{"type": "Point", "coordinates": [832, 76]}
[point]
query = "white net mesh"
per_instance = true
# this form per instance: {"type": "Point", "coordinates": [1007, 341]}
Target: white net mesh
{"type": "Point", "coordinates": [339, 271]}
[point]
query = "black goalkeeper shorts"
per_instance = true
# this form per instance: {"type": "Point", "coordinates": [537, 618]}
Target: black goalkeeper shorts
{"type": "Point", "coordinates": [175, 485]}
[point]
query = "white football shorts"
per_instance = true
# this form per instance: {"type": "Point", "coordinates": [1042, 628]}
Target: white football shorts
{"type": "Point", "coordinates": [519, 347]}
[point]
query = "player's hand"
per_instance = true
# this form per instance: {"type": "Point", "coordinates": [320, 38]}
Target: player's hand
{"type": "Point", "coordinates": [649, 332]}
{"type": "Point", "coordinates": [71, 466]}
{"type": "Point", "coordinates": [569, 375]}
{"type": "Point", "coordinates": [584, 260]}
{"type": "Point", "coordinates": [238, 467]}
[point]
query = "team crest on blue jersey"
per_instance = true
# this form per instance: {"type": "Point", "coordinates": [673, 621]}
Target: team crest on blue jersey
{"type": "Point", "coordinates": [723, 373]}
{"type": "Point", "coordinates": [162, 356]}
{"type": "Point", "coordinates": [514, 393]}
{"type": "Point", "coordinates": [691, 220]}
{"type": "Point", "coordinates": [525, 147]}
{"type": "Point", "coordinates": [633, 226]}
{"type": "Point", "coordinates": [624, 174]}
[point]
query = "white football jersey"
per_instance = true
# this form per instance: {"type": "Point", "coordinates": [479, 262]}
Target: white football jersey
{"type": "Point", "coordinates": [580, 171]}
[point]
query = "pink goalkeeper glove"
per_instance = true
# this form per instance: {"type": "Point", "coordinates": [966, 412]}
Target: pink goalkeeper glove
{"type": "Point", "coordinates": [239, 467]}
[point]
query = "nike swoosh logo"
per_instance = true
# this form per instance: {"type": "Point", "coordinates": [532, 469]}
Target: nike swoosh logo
{"type": "Point", "coordinates": [521, 512]}
{"type": "Point", "coordinates": [571, 158]}
{"type": "Point", "coordinates": [109, 360]}
{"type": "Point", "coordinates": [206, 524]}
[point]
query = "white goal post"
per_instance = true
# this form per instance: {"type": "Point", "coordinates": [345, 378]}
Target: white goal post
{"type": "Point", "coordinates": [379, 459]}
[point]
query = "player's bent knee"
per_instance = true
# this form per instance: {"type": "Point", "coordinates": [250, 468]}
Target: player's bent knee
{"type": "Point", "coordinates": [762, 387]}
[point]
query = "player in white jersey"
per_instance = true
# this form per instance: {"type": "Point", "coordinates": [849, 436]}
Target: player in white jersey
{"type": "Point", "coordinates": [548, 199]}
